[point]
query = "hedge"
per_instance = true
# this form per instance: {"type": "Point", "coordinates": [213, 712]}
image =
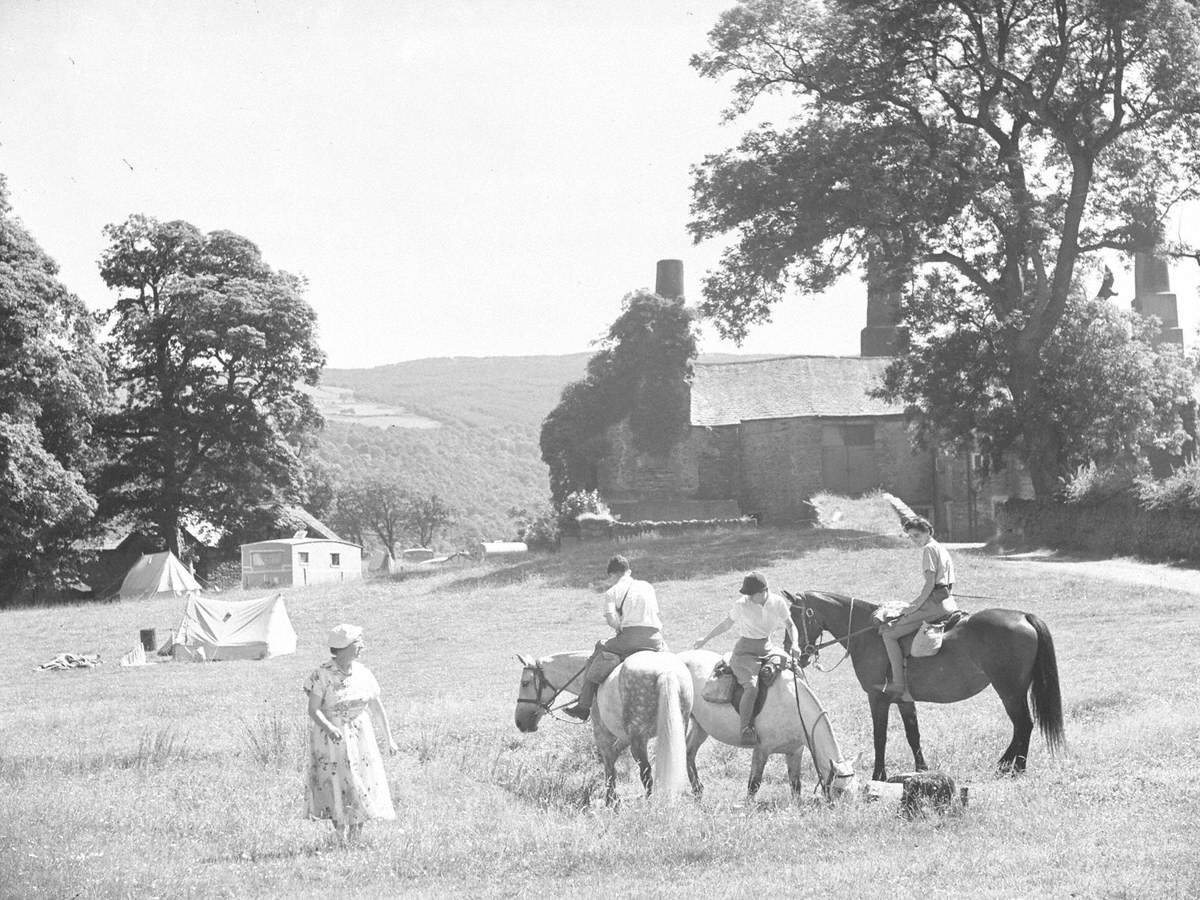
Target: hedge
{"type": "Point", "coordinates": [1115, 527]}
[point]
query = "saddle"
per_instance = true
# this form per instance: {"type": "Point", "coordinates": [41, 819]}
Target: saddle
{"type": "Point", "coordinates": [722, 686]}
{"type": "Point", "coordinates": [927, 640]}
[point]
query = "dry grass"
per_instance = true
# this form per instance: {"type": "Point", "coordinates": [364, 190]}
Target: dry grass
{"type": "Point", "coordinates": [184, 779]}
{"type": "Point", "coordinates": [870, 513]}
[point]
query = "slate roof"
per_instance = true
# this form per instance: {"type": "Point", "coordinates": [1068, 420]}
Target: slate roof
{"type": "Point", "coordinates": [298, 516]}
{"type": "Point", "coordinates": [788, 387]}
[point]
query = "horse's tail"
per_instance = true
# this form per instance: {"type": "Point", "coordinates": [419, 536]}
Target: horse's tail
{"type": "Point", "coordinates": [1044, 694]}
{"type": "Point", "coordinates": [670, 776]}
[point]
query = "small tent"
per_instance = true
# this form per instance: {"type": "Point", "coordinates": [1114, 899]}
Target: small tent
{"type": "Point", "coordinates": [157, 573]}
{"type": "Point", "coordinates": [226, 629]}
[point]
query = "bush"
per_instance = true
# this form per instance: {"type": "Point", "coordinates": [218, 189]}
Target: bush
{"type": "Point", "coordinates": [1179, 491]}
{"type": "Point", "coordinates": [539, 530]}
{"type": "Point", "coordinates": [1091, 484]}
{"type": "Point", "coordinates": [578, 503]}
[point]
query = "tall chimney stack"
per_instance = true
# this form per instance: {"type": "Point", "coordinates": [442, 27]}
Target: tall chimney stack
{"type": "Point", "coordinates": [881, 336]}
{"type": "Point", "coordinates": [668, 279]}
{"type": "Point", "coordinates": [1153, 296]}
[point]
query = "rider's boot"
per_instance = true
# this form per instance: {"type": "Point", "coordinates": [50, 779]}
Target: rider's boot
{"type": "Point", "coordinates": [746, 715]}
{"type": "Point", "coordinates": [582, 707]}
{"type": "Point", "coordinates": [592, 679]}
{"type": "Point", "coordinates": [897, 687]}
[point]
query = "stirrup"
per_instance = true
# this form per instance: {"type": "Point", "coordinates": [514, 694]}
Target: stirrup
{"type": "Point", "coordinates": [897, 692]}
{"type": "Point", "coordinates": [575, 711]}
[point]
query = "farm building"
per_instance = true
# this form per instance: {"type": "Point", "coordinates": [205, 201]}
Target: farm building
{"type": "Point", "coordinates": [299, 561]}
{"type": "Point", "coordinates": [766, 435]}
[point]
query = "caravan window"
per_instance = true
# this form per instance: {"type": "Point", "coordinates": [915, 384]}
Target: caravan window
{"type": "Point", "coordinates": [335, 559]}
{"type": "Point", "coordinates": [304, 557]}
{"type": "Point", "coordinates": [266, 559]}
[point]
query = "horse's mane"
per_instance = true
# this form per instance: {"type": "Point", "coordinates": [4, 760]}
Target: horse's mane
{"type": "Point", "coordinates": [834, 597]}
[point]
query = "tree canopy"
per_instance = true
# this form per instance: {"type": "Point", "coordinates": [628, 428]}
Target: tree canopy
{"type": "Point", "coordinates": [998, 142]}
{"type": "Point", "coordinates": [51, 389]}
{"type": "Point", "coordinates": [642, 371]}
{"type": "Point", "coordinates": [1106, 389]}
{"type": "Point", "coordinates": [207, 348]}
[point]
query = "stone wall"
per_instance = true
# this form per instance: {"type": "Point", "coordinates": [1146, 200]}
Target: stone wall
{"type": "Point", "coordinates": [780, 469]}
{"type": "Point", "coordinates": [718, 460]}
{"type": "Point", "coordinates": [628, 474]}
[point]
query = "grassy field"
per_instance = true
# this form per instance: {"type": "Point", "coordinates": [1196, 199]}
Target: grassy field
{"type": "Point", "coordinates": [179, 780]}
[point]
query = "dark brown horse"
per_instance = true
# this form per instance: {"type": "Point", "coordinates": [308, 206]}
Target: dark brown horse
{"type": "Point", "coordinates": [1010, 650]}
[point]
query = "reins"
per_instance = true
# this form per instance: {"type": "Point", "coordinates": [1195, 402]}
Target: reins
{"type": "Point", "coordinates": [540, 681]}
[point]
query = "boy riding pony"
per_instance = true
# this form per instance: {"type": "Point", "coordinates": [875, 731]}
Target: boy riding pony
{"type": "Point", "coordinates": [631, 609]}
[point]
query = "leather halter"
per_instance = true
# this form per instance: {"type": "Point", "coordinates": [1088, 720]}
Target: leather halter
{"type": "Point", "coordinates": [540, 681]}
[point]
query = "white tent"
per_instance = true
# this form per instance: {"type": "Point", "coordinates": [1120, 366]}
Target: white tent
{"type": "Point", "coordinates": [227, 629]}
{"type": "Point", "coordinates": [157, 573]}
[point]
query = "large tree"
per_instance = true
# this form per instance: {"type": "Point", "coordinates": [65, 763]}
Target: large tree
{"type": "Point", "coordinates": [1107, 388]}
{"type": "Point", "coordinates": [51, 388]}
{"type": "Point", "coordinates": [207, 350]}
{"type": "Point", "coordinates": [998, 142]}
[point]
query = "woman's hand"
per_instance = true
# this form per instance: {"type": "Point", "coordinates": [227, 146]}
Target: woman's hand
{"type": "Point", "coordinates": [334, 735]}
{"type": "Point", "coordinates": [393, 747]}
{"type": "Point", "coordinates": [699, 644]}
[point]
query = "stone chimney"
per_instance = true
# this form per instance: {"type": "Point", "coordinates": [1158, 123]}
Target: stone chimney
{"type": "Point", "coordinates": [668, 279]}
{"type": "Point", "coordinates": [881, 336]}
{"type": "Point", "coordinates": [1152, 294]}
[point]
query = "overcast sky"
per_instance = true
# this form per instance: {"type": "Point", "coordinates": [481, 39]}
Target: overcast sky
{"type": "Point", "coordinates": [453, 177]}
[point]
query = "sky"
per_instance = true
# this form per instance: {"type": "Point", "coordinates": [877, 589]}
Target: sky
{"type": "Point", "coordinates": [452, 177]}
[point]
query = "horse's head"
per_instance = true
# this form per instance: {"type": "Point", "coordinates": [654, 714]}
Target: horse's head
{"type": "Point", "coordinates": [839, 781]}
{"type": "Point", "coordinates": [810, 623]}
{"type": "Point", "coordinates": [534, 696]}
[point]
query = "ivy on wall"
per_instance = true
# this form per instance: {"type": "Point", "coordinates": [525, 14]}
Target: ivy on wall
{"type": "Point", "coordinates": [641, 372]}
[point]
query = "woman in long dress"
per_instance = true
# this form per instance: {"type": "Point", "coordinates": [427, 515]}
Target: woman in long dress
{"type": "Point", "coordinates": [345, 781]}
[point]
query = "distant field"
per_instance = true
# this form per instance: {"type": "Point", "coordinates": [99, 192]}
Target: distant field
{"type": "Point", "coordinates": [340, 405]}
{"type": "Point", "coordinates": [182, 780]}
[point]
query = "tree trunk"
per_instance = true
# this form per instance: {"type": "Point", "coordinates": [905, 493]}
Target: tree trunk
{"type": "Point", "coordinates": [1040, 439]}
{"type": "Point", "coordinates": [168, 526]}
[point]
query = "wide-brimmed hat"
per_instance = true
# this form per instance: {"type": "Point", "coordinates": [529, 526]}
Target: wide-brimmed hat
{"type": "Point", "coordinates": [343, 636]}
{"type": "Point", "coordinates": [753, 583]}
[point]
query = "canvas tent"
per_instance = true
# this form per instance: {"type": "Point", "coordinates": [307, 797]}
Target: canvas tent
{"type": "Point", "coordinates": [157, 573]}
{"type": "Point", "coordinates": [225, 629]}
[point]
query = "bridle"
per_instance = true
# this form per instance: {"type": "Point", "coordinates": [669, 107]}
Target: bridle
{"type": "Point", "coordinates": [813, 650]}
{"type": "Point", "coordinates": [540, 682]}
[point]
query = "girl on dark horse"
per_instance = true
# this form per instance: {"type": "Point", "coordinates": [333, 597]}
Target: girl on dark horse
{"type": "Point", "coordinates": [934, 601]}
{"type": "Point", "coordinates": [1010, 650]}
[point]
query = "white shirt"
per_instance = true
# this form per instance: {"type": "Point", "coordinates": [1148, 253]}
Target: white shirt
{"type": "Point", "coordinates": [632, 602]}
{"type": "Point", "coordinates": [935, 559]}
{"type": "Point", "coordinates": [754, 621]}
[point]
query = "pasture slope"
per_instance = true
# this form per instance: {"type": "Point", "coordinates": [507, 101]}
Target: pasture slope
{"type": "Point", "coordinates": [182, 780]}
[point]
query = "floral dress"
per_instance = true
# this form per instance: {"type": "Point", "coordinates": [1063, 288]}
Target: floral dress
{"type": "Point", "coordinates": [345, 780]}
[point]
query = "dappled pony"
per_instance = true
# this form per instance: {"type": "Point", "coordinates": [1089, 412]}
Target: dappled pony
{"type": "Point", "coordinates": [791, 719]}
{"type": "Point", "coordinates": [649, 695]}
{"type": "Point", "coordinates": [1010, 650]}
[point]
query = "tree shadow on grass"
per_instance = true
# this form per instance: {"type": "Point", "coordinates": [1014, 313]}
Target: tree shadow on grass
{"type": "Point", "coordinates": [581, 564]}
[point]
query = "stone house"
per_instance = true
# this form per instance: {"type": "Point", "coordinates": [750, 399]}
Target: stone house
{"type": "Point", "coordinates": [766, 435]}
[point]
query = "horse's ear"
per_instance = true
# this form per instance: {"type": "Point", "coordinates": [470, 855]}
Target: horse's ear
{"type": "Point", "coordinates": [524, 660]}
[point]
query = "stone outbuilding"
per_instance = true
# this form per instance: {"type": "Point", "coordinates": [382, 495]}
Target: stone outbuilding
{"type": "Point", "coordinates": [766, 435]}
